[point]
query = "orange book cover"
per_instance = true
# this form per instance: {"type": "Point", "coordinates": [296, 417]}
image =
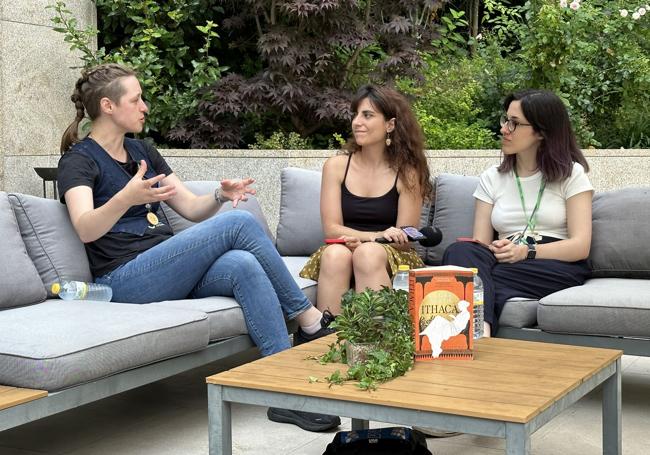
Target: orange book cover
{"type": "Point", "coordinates": [441, 306]}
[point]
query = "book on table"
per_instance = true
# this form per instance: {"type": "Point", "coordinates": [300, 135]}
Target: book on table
{"type": "Point", "coordinates": [441, 307]}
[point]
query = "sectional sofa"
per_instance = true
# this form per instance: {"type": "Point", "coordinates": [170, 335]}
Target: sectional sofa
{"type": "Point", "coordinates": [84, 351]}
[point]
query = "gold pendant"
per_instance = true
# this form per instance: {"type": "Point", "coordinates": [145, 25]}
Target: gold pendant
{"type": "Point", "coordinates": [152, 218]}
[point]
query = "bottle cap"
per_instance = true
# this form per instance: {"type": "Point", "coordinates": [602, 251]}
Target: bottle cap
{"type": "Point", "coordinates": [403, 268]}
{"type": "Point", "coordinates": [56, 288]}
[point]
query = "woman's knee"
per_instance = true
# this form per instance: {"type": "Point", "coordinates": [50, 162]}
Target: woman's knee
{"type": "Point", "coordinates": [369, 257]}
{"type": "Point", "coordinates": [336, 258]}
{"type": "Point", "coordinates": [240, 263]}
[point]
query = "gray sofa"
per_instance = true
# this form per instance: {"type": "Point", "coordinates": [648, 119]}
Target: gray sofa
{"type": "Point", "coordinates": [610, 310]}
{"type": "Point", "coordinates": [82, 351]}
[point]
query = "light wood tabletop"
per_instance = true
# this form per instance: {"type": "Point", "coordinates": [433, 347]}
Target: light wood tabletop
{"type": "Point", "coordinates": [508, 380]}
{"type": "Point", "coordinates": [12, 396]}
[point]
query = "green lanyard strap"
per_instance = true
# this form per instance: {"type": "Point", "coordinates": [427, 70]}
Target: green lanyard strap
{"type": "Point", "coordinates": [531, 220]}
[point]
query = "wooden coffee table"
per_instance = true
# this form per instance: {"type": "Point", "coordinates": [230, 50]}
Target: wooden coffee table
{"type": "Point", "coordinates": [510, 390]}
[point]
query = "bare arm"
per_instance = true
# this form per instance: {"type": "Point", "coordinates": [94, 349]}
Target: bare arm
{"type": "Point", "coordinates": [483, 230]}
{"type": "Point", "coordinates": [199, 208]}
{"type": "Point", "coordinates": [575, 248]}
{"type": "Point", "coordinates": [409, 209]}
{"type": "Point", "coordinates": [91, 223]}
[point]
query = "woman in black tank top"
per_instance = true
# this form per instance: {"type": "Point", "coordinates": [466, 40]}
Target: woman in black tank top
{"type": "Point", "coordinates": [378, 183]}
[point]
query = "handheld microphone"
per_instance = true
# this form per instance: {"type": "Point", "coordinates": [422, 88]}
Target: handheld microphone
{"type": "Point", "coordinates": [428, 236]}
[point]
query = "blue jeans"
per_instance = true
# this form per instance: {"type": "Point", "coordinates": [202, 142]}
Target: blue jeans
{"type": "Point", "coordinates": [226, 255]}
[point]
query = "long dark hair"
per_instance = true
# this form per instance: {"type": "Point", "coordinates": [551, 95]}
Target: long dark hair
{"type": "Point", "coordinates": [548, 116]}
{"type": "Point", "coordinates": [406, 151]}
{"type": "Point", "coordinates": [94, 84]}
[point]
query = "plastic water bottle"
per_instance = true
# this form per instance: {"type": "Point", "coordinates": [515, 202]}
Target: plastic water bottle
{"type": "Point", "coordinates": [401, 278]}
{"type": "Point", "coordinates": [80, 290]}
{"type": "Point", "coordinates": [479, 309]}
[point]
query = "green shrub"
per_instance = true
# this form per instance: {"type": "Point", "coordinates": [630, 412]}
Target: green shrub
{"type": "Point", "coordinates": [598, 60]}
{"type": "Point", "coordinates": [162, 42]}
{"type": "Point", "coordinates": [281, 141]}
{"type": "Point", "coordinates": [447, 105]}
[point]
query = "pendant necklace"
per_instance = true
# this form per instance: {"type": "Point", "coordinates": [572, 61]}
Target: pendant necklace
{"type": "Point", "coordinates": [152, 218]}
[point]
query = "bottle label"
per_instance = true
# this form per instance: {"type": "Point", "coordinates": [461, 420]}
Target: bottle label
{"type": "Point", "coordinates": [83, 290]}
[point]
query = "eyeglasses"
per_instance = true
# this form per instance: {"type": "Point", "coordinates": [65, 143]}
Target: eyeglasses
{"type": "Point", "coordinates": [511, 124]}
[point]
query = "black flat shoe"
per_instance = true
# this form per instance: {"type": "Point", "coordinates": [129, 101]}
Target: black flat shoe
{"type": "Point", "coordinates": [306, 420]}
{"type": "Point", "coordinates": [301, 337]}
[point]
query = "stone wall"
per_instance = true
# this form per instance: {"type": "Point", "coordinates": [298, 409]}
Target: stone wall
{"type": "Point", "coordinates": [610, 169]}
{"type": "Point", "coordinates": [36, 80]}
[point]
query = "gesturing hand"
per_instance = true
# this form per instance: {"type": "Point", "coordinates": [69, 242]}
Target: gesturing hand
{"type": "Point", "coordinates": [237, 189]}
{"type": "Point", "coordinates": [142, 191]}
{"type": "Point", "coordinates": [506, 251]}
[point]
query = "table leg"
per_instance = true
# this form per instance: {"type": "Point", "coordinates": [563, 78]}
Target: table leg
{"type": "Point", "coordinates": [219, 422]}
{"type": "Point", "coordinates": [612, 422]}
{"type": "Point", "coordinates": [359, 424]}
{"type": "Point", "coordinates": [517, 439]}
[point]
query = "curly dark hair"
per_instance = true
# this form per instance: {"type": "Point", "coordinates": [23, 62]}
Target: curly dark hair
{"type": "Point", "coordinates": [406, 151]}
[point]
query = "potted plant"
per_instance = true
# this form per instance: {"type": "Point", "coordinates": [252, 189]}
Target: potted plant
{"type": "Point", "coordinates": [374, 336]}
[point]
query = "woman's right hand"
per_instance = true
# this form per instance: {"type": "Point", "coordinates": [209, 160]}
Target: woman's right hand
{"type": "Point", "coordinates": [351, 242]}
{"type": "Point", "coordinates": [142, 191]}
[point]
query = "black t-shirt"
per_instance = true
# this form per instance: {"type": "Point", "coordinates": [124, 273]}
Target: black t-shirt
{"type": "Point", "coordinates": [113, 248]}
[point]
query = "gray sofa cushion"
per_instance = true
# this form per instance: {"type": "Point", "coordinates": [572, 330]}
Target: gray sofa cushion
{"type": "Point", "coordinates": [453, 212]}
{"type": "Point", "coordinates": [602, 306]}
{"type": "Point", "coordinates": [519, 312]}
{"type": "Point", "coordinates": [51, 241]}
{"type": "Point", "coordinates": [58, 344]}
{"type": "Point", "coordinates": [308, 287]}
{"type": "Point", "coordinates": [299, 227]}
{"type": "Point", "coordinates": [178, 223]}
{"type": "Point", "coordinates": [225, 317]}
{"type": "Point", "coordinates": [619, 244]}
{"type": "Point", "coordinates": [20, 283]}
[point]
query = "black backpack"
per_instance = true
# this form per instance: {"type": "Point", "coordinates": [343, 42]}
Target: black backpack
{"type": "Point", "coordinates": [379, 441]}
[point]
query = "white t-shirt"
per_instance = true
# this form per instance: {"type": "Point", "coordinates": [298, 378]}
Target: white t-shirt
{"type": "Point", "coordinates": [500, 190]}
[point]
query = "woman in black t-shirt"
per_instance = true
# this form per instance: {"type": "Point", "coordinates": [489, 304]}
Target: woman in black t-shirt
{"type": "Point", "coordinates": [113, 185]}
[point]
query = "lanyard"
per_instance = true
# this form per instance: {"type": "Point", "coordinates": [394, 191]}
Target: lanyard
{"type": "Point", "coordinates": [532, 220]}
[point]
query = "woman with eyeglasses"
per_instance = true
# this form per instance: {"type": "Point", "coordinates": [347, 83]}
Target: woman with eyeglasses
{"type": "Point", "coordinates": [538, 200]}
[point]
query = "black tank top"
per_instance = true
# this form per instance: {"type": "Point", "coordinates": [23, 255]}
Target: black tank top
{"type": "Point", "coordinates": [368, 213]}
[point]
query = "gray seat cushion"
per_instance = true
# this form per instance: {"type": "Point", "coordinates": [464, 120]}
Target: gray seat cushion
{"type": "Point", "coordinates": [602, 306]}
{"type": "Point", "coordinates": [58, 344]}
{"type": "Point", "coordinates": [299, 227]}
{"type": "Point", "coordinates": [225, 317]}
{"type": "Point", "coordinates": [620, 234]}
{"type": "Point", "coordinates": [20, 283]}
{"type": "Point", "coordinates": [51, 241]}
{"type": "Point", "coordinates": [519, 312]}
{"type": "Point", "coordinates": [178, 223]}
{"type": "Point", "coordinates": [308, 287]}
{"type": "Point", "coordinates": [453, 212]}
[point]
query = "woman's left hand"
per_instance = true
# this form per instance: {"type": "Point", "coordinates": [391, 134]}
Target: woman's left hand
{"type": "Point", "coordinates": [506, 251]}
{"type": "Point", "coordinates": [395, 235]}
{"type": "Point", "coordinates": [237, 189]}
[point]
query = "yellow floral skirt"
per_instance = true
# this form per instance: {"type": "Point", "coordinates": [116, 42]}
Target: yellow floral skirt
{"type": "Point", "coordinates": [311, 270]}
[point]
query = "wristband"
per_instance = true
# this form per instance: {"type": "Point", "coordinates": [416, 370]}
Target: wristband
{"type": "Point", "coordinates": [220, 197]}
